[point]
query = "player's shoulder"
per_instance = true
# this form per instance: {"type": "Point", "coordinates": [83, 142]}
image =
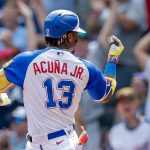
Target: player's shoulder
{"type": "Point", "coordinates": [28, 56]}
{"type": "Point", "coordinates": [89, 65]}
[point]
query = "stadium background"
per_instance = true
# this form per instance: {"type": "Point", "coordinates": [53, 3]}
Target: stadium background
{"type": "Point", "coordinates": [21, 25]}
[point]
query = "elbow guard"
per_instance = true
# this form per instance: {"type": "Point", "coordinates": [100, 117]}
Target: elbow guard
{"type": "Point", "coordinates": [110, 89]}
{"type": "Point", "coordinates": [112, 83]}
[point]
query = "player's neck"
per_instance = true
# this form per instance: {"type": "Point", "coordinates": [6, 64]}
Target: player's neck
{"type": "Point", "coordinates": [62, 47]}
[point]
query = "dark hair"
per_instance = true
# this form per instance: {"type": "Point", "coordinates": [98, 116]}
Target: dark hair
{"type": "Point", "coordinates": [55, 41]}
{"type": "Point", "coordinates": [51, 41]}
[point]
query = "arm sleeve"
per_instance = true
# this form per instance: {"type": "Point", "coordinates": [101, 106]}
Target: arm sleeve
{"type": "Point", "coordinates": [110, 69]}
{"type": "Point", "coordinates": [96, 85]}
{"type": "Point", "coordinates": [101, 87]}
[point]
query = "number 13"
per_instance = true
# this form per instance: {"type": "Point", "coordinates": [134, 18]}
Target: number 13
{"type": "Point", "coordinates": [51, 103]}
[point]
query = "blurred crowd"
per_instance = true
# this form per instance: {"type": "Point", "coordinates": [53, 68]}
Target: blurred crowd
{"type": "Point", "coordinates": [124, 122]}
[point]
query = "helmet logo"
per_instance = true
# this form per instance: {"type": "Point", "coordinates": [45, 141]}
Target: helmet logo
{"type": "Point", "coordinates": [47, 32]}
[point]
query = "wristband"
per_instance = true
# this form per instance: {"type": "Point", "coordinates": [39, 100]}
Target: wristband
{"type": "Point", "coordinates": [112, 58]}
{"type": "Point", "coordinates": [115, 43]}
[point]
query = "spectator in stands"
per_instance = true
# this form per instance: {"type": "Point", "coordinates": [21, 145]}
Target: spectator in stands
{"type": "Point", "coordinates": [148, 13]}
{"type": "Point", "coordinates": [83, 11]}
{"type": "Point", "coordinates": [38, 11]}
{"type": "Point", "coordinates": [39, 17]}
{"type": "Point", "coordinates": [16, 137]}
{"type": "Point", "coordinates": [14, 38]}
{"type": "Point", "coordinates": [140, 85]}
{"type": "Point", "coordinates": [51, 5]}
{"type": "Point", "coordinates": [129, 29]}
{"type": "Point", "coordinates": [143, 58]}
{"type": "Point", "coordinates": [82, 49]}
{"type": "Point", "coordinates": [92, 17]}
{"type": "Point", "coordinates": [131, 133]}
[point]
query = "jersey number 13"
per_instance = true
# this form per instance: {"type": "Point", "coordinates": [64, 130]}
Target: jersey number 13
{"type": "Point", "coordinates": [67, 94]}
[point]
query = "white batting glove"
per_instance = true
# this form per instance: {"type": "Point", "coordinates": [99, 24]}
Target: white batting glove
{"type": "Point", "coordinates": [4, 100]}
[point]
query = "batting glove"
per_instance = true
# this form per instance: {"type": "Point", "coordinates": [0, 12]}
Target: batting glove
{"type": "Point", "coordinates": [116, 46]}
{"type": "Point", "coordinates": [4, 100]}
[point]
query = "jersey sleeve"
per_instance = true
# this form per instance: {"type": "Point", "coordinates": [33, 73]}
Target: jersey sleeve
{"type": "Point", "coordinates": [15, 70]}
{"type": "Point", "coordinates": [96, 84]}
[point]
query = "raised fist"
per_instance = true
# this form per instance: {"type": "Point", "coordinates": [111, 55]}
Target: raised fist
{"type": "Point", "coordinates": [116, 46]}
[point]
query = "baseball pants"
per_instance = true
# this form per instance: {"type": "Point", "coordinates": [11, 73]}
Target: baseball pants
{"type": "Point", "coordinates": [66, 142]}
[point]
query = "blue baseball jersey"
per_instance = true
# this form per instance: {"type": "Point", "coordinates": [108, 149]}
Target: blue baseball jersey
{"type": "Point", "coordinates": [53, 81]}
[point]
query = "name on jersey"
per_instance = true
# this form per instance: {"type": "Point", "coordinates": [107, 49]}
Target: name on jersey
{"type": "Point", "coordinates": [57, 67]}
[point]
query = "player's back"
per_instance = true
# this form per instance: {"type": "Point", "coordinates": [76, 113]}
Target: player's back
{"type": "Point", "coordinates": [52, 82]}
{"type": "Point", "coordinates": [53, 86]}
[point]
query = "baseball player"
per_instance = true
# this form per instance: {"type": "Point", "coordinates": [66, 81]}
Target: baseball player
{"type": "Point", "coordinates": [53, 80]}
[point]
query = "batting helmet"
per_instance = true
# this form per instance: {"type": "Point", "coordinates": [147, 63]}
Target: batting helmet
{"type": "Point", "coordinates": [58, 22]}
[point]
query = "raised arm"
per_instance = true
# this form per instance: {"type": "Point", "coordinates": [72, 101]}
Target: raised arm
{"type": "Point", "coordinates": [109, 25]}
{"type": "Point", "coordinates": [31, 33]}
{"type": "Point", "coordinates": [116, 49]}
{"type": "Point", "coordinates": [141, 51]}
{"type": "Point", "coordinates": [37, 5]}
{"type": "Point", "coordinates": [102, 86]}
